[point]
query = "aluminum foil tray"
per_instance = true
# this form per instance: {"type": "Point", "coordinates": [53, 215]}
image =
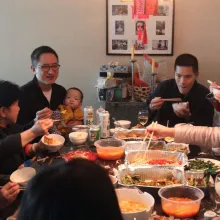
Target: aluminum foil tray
{"type": "Point", "coordinates": [151, 173]}
{"type": "Point", "coordinates": [178, 147]}
{"type": "Point", "coordinates": [138, 145]}
{"type": "Point", "coordinates": [130, 135]}
{"type": "Point", "coordinates": [179, 158]}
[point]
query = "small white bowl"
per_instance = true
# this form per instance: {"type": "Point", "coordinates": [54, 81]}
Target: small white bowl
{"type": "Point", "coordinates": [23, 175]}
{"type": "Point", "coordinates": [114, 180]}
{"type": "Point", "coordinates": [123, 124]}
{"type": "Point", "coordinates": [78, 137]}
{"type": "Point", "coordinates": [54, 147]}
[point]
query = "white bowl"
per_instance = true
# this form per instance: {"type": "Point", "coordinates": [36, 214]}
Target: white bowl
{"type": "Point", "coordinates": [123, 124]}
{"type": "Point", "coordinates": [137, 196]}
{"type": "Point", "coordinates": [78, 137]}
{"type": "Point", "coordinates": [114, 180]}
{"type": "Point", "coordinates": [23, 175]}
{"type": "Point", "coordinates": [54, 147]}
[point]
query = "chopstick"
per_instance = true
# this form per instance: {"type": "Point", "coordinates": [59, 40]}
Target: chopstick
{"type": "Point", "coordinates": [210, 82]}
{"type": "Point", "coordinates": [151, 136]}
{"type": "Point", "coordinates": [21, 188]}
{"type": "Point", "coordinates": [172, 100]}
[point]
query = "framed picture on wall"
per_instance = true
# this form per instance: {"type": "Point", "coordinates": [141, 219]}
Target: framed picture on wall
{"type": "Point", "coordinates": [146, 24]}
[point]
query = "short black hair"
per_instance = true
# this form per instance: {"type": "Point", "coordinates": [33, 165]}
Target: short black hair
{"type": "Point", "coordinates": [78, 190]}
{"type": "Point", "coordinates": [187, 60]}
{"type": "Point", "coordinates": [9, 93]}
{"type": "Point", "coordinates": [35, 56]}
{"type": "Point", "coordinates": [81, 93]}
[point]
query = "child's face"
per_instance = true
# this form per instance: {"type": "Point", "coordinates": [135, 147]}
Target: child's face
{"type": "Point", "coordinates": [73, 99]}
{"type": "Point", "coordinates": [10, 114]}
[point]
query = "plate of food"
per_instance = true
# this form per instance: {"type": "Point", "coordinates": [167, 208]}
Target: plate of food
{"type": "Point", "coordinates": [169, 139]}
{"type": "Point", "coordinates": [80, 154]}
{"type": "Point", "coordinates": [154, 177]}
{"type": "Point", "coordinates": [204, 164]}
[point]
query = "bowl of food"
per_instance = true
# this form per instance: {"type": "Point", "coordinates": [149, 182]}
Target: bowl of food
{"type": "Point", "coordinates": [53, 142]}
{"type": "Point", "coordinates": [110, 149]}
{"type": "Point", "coordinates": [135, 204]}
{"type": "Point", "coordinates": [123, 124]}
{"type": "Point", "coordinates": [181, 201]}
{"type": "Point", "coordinates": [78, 137]}
{"type": "Point", "coordinates": [23, 175]}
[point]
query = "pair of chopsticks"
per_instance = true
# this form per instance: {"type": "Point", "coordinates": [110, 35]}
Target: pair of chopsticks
{"type": "Point", "coordinates": [21, 188]}
{"type": "Point", "coordinates": [173, 100]}
{"type": "Point", "coordinates": [154, 125]}
{"type": "Point", "coordinates": [210, 82]}
{"type": "Point", "coordinates": [151, 136]}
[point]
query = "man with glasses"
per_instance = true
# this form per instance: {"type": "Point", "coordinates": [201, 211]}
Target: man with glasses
{"type": "Point", "coordinates": [41, 95]}
{"type": "Point", "coordinates": [194, 108]}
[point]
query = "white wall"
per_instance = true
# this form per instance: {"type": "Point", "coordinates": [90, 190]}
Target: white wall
{"type": "Point", "coordinates": [76, 30]}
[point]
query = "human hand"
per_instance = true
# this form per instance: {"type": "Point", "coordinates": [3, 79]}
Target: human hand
{"type": "Point", "coordinates": [156, 103]}
{"type": "Point", "coordinates": [8, 194]}
{"type": "Point", "coordinates": [212, 86]}
{"type": "Point", "coordinates": [43, 114]}
{"type": "Point", "coordinates": [182, 110]}
{"type": "Point", "coordinates": [160, 130]}
{"type": "Point", "coordinates": [41, 127]}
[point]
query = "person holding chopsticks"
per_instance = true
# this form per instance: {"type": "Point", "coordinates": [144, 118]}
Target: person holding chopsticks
{"type": "Point", "coordinates": [194, 108]}
{"type": "Point", "coordinates": [14, 139]}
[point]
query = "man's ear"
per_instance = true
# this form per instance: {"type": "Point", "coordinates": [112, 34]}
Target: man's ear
{"type": "Point", "coordinates": [197, 74]}
{"type": "Point", "coordinates": [33, 68]}
{"type": "Point", "coordinates": [2, 112]}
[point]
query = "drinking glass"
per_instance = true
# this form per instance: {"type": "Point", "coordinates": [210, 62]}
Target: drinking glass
{"type": "Point", "coordinates": [217, 196]}
{"type": "Point", "coordinates": [143, 117]}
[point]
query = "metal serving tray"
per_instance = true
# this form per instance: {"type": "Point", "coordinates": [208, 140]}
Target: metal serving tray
{"type": "Point", "coordinates": [138, 145]}
{"type": "Point", "coordinates": [130, 135]}
{"type": "Point", "coordinates": [179, 157]}
{"type": "Point", "coordinates": [150, 173]}
{"type": "Point", "coordinates": [176, 147]}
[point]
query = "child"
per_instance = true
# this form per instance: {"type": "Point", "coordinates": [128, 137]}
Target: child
{"type": "Point", "coordinates": [71, 112]}
{"type": "Point", "coordinates": [13, 142]}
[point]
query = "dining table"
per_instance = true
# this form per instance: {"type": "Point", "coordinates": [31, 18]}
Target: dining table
{"type": "Point", "coordinates": [47, 159]}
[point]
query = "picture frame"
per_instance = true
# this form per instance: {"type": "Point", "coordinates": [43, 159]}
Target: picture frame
{"type": "Point", "coordinates": [125, 27]}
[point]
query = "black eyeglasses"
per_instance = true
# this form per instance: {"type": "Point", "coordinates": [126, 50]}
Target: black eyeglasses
{"type": "Point", "coordinates": [46, 68]}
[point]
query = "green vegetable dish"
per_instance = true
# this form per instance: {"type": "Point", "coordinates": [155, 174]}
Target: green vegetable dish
{"type": "Point", "coordinates": [198, 164]}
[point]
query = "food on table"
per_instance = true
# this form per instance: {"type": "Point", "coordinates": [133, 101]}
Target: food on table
{"type": "Point", "coordinates": [110, 152]}
{"type": "Point", "coordinates": [136, 180]}
{"type": "Point", "coordinates": [132, 206]}
{"type": "Point", "coordinates": [139, 126]}
{"type": "Point", "coordinates": [169, 139]}
{"type": "Point", "coordinates": [178, 149]}
{"type": "Point", "coordinates": [51, 141]}
{"type": "Point", "coordinates": [182, 207]}
{"type": "Point", "coordinates": [199, 164]}
{"type": "Point", "coordinates": [80, 154]}
{"type": "Point", "coordinates": [197, 182]}
{"type": "Point", "coordinates": [143, 161]}
{"type": "Point", "coordinates": [131, 134]}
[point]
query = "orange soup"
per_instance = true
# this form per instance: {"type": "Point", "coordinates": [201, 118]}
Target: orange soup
{"type": "Point", "coordinates": [184, 208]}
{"type": "Point", "coordinates": [110, 152]}
{"type": "Point", "coordinates": [131, 206]}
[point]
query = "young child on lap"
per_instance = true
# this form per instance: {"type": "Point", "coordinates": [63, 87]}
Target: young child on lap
{"type": "Point", "coordinates": [71, 112]}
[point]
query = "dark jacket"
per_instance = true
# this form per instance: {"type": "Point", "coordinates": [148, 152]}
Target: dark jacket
{"type": "Point", "coordinates": [202, 111]}
{"type": "Point", "coordinates": [33, 100]}
{"type": "Point", "coordinates": [11, 151]}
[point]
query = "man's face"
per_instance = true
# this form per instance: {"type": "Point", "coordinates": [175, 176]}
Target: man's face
{"type": "Point", "coordinates": [185, 78]}
{"type": "Point", "coordinates": [47, 68]}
